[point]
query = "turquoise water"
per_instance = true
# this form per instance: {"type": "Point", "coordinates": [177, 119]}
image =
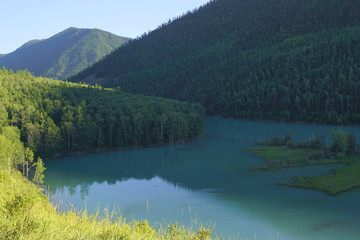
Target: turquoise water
{"type": "Point", "coordinates": [208, 181]}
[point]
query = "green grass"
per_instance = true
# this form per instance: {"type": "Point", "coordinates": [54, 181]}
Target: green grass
{"type": "Point", "coordinates": [25, 213]}
{"type": "Point", "coordinates": [279, 157]}
{"type": "Point", "coordinates": [342, 180]}
{"type": "Point", "coordinates": [283, 157]}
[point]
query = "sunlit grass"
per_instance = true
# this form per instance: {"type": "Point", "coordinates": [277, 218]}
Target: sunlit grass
{"type": "Point", "coordinates": [282, 157]}
{"type": "Point", "coordinates": [25, 213]}
{"type": "Point", "coordinates": [342, 180]}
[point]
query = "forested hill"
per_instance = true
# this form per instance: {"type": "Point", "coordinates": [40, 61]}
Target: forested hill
{"type": "Point", "coordinates": [64, 54]}
{"type": "Point", "coordinates": [256, 59]}
{"type": "Point", "coordinates": [58, 117]}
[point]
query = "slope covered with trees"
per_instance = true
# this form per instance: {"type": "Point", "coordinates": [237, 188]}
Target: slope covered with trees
{"type": "Point", "coordinates": [257, 59]}
{"type": "Point", "coordinates": [56, 117]}
{"type": "Point", "coordinates": [26, 213]}
{"type": "Point", "coordinates": [64, 54]}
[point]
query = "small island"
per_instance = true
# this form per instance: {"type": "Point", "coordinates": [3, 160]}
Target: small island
{"type": "Point", "coordinates": [284, 153]}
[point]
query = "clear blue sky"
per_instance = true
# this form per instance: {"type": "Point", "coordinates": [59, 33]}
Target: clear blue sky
{"type": "Point", "coordinates": [24, 20]}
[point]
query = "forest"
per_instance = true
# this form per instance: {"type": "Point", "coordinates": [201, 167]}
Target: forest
{"type": "Point", "coordinates": [41, 117]}
{"type": "Point", "coordinates": [253, 59]}
{"type": "Point", "coordinates": [53, 117]}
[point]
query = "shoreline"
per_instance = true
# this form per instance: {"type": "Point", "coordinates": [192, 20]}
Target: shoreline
{"type": "Point", "coordinates": [341, 180]}
{"type": "Point", "coordinates": [287, 122]}
{"type": "Point", "coordinates": [60, 155]}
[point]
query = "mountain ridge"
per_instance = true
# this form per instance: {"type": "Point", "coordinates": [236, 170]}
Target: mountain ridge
{"type": "Point", "coordinates": [271, 60]}
{"type": "Point", "coordinates": [63, 54]}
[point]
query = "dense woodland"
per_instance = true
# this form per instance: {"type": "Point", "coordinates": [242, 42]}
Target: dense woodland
{"type": "Point", "coordinates": [56, 117]}
{"type": "Point", "coordinates": [257, 59]}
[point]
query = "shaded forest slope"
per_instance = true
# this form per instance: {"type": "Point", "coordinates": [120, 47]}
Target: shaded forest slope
{"type": "Point", "coordinates": [256, 59]}
{"type": "Point", "coordinates": [64, 54]}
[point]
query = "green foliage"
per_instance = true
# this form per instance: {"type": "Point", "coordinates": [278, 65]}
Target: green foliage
{"type": "Point", "coordinates": [39, 172]}
{"type": "Point", "coordinates": [70, 52]}
{"type": "Point", "coordinates": [287, 60]}
{"type": "Point", "coordinates": [339, 141]}
{"type": "Point", "coordinates": [342, 142]}
{"type": "Point", "coordinates": [351, 142]}
{"type": "Point", "coordinates": [277, 141]}
{"type": "Point", "coordinates": [29, 158]}
{"type": "Point", "coordinates": [25, 213]}
{"type": "Point", "coordinates": [56, 117]}
{"type": "Point", "coordinates": [283, 157]}
{"type": "Point", "coordinates": [314, 152]}
{"type": "Point", "coordinates": [48, 116]}
{"type": "Point", "coordinates": [11, 147]}
{"type": "Point", "coordinates": [342, 180]}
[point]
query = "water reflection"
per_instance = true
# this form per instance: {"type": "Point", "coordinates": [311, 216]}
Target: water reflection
{"type": "Point", "coordinates": [212, 175]}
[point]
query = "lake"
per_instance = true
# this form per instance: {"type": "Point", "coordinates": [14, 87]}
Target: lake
{"type": "Point", "coordinates": [208, 181]}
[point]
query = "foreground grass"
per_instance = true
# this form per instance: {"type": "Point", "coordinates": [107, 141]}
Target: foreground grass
{"type": "Point", "coordinates": [282, 157]}
{"type": "Point", "coordinates": [25, 213]}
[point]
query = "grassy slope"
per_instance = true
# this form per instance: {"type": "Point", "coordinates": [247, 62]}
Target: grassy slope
{"type": "Point", "coordinates": [281, 157]}
{"type": "Point", "coordinates": [25, 213]}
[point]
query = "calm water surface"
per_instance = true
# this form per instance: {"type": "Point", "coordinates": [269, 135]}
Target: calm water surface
{"type": "Point", "coordinates": [208, 181]}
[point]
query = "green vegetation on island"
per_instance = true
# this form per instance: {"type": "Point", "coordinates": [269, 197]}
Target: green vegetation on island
{"type": "Point", "coordinates": [283, 153]}
{"type": "Point", "coordinates": [286, 61]}
{"type": "Point", "coordinates": [64, 54]}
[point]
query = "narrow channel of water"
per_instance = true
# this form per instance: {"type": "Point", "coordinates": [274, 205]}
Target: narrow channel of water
{"type": "Point", "coordinates": [208, 181]}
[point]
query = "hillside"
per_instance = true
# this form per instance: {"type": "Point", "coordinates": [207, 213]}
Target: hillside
{"type": "Point", "coordinates": [64, 54]}
{"type": "Point", "coordinates": [59, 117]}
{"type": "Point", "coordinates": [26, 213]}
{"type": "Point", "coordinates": [255, 59]}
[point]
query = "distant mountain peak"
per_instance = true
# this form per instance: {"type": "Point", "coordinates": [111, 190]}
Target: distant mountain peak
{"type": "Point", "coordinates": [63, 54]}
{"type": "Point", "coordinates": [30, 43]}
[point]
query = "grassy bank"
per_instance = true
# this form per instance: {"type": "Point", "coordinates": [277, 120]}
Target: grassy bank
{"type": "Point", "coordinates": [25, 213]}
{"type": "Point", "coordinates": [283, 157]}
{"type": "Point", "coordinates": [279, 157]}
{"type": "Point", "coordinates": [342, 180]}
{"type": "Point", "coordinates": [42, 117]}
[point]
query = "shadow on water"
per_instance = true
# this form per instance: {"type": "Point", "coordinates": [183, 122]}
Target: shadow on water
{"type": "Point", "coordinates": [212, 174]}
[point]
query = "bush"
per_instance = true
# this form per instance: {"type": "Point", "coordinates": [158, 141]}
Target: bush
{"type": "Point", "coordinates": [301, 144]}
{"type": "Point", "coordinates": [274, 141]}
{"type": "Point", "coordinates": [317, 155]}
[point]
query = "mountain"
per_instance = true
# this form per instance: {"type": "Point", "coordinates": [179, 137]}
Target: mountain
{"type": "Point", "coordinates": [64, 54]}
{"type": "Point", "coordinates": [256, 59]}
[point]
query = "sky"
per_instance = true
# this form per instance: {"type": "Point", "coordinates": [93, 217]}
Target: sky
{"type": "Point", "coordinates": [25, 20]}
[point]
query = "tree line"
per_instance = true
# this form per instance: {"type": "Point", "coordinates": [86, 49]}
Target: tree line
{"type": "Point", "coordinates": [342, 144]}
{"type": "Point", "coordinates": [43, 117]}
{"type": "Point", "coordinates": [255, 59]}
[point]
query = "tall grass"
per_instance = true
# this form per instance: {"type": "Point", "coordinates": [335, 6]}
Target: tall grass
{"type": "Point", "coordinates": [25, 213]}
